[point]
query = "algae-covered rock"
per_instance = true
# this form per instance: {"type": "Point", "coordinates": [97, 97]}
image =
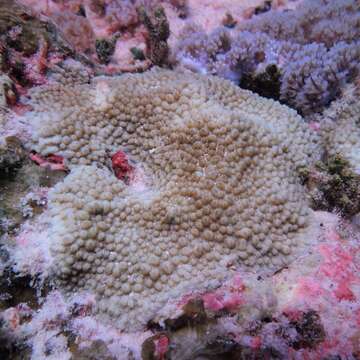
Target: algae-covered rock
{"type": "Point", "coordinates": [334, 186]}
{"type": "Point", "coordinates": [12, 155]}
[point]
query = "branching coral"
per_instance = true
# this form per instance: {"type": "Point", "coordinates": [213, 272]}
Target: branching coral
{"type": "Point", "coordinates": [315, 76]}
{"type": "Point", "coordinates": [324, 22]}
{"type": "Point", "coordinates": [313, 69]}
{"type": "Point", "coordinates": [220, 187]}
{"type": "Point", "coordinates": [340, 127]}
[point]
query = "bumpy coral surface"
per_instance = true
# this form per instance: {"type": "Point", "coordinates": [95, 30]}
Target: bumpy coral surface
{"type": "Point", "coordinates": [215, 185]}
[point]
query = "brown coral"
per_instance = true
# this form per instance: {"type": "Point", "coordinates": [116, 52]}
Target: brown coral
{"type": "Point", "coordinates": [220, 185]}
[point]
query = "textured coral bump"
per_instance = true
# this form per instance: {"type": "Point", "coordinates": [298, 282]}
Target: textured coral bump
{"type": "Point", "coordinates": [220, 189]}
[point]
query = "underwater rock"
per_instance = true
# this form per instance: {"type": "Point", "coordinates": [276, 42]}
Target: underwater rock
{"type": "Point", "coordinates": [12, 155]}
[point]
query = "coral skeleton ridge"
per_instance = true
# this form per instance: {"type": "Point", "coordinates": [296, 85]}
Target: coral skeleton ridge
{"type": "Point", "coordinates": [218, 185]}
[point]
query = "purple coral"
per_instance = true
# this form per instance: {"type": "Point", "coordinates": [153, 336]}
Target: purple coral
{"type": "Point", "coordinates": [324, 21]}
{"type": "Point", "coordinates": [314, 75]}
{"type": "Point", "coordinates": [313, 50]}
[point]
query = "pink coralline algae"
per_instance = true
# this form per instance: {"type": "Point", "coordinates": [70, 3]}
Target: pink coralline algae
{"type": "Point", "coordinates": [84, 21]}
{"type": "Point", "coordinates": [332, 289]}
{"type": "Point", "coordinates": [161, 347]}
{"type": "Point", "coordinates": [228, 298]}
{"type": "Point", "coordinates": [117, 21]}
{"type": "Point", "coordinates": [54, 162]}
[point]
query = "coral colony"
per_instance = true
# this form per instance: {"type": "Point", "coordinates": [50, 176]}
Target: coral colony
{"type": "Point", "coordinates": [180, 179]}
